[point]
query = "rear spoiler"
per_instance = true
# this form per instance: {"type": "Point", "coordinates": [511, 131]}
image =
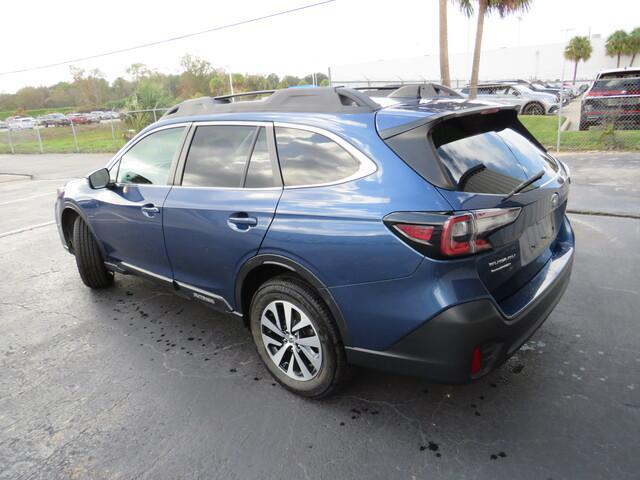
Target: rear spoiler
{"type": "Point", "coordinates": [433, 120]}
{"type": "Point", "coordinates": [440, 117]}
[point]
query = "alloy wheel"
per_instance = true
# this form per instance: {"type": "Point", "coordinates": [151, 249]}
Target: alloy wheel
{"type": "Point", "coordinates": [291, 340]}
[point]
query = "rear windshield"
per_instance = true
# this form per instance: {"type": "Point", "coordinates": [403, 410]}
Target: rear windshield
{"type": "Point", "coordinates": [479, 153]}
{"type": "Point", "coordinates": [620, 83]}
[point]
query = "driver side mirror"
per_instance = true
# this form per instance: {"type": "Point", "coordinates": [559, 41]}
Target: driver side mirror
{"type": "Point", "coordinates": [99, 179]}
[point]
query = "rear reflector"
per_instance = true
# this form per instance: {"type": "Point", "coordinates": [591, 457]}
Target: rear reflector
{"type": "Point", "coordinates": [476, 361]}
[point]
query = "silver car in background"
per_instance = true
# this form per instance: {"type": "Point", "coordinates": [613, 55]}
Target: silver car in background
{"type": "Point", "coordinates": [530, 102]}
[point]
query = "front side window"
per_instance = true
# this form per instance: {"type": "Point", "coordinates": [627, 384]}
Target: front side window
{"type": "Point", "coordinates": [308, 158]}
{"type": "Point", "coordinates": [149, 161]}
{"type": "Point", "coordinates": [218, 156]}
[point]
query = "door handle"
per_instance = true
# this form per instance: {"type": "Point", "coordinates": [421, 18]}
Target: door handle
{"type": "Point", "coordinates": [149, 210]}
{"type": "Point", "coordinates": [243, 221]}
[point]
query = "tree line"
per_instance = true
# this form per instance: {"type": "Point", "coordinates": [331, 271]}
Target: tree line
{"type": "Point", "coordinates": [144, 88]}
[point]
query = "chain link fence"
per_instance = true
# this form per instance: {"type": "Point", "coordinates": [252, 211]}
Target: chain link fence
{"type": "Point", "coordinates": [74, 133]}
{"type": "Point", "coordinates": [592, 114]}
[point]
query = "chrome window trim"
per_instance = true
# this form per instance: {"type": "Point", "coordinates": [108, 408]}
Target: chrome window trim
{"type": "Point", "coordinates": [366, 165]}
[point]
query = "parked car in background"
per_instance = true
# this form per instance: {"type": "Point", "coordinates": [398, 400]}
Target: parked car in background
{"type": "Point", "coordinates": [111, 115]}
{"type": "Point", "coordinates": [3, 125]}
{"type": "Point", "coordinates": [79, 118]}
{"type": "Point", "coordinates": [429, 237]}
{"type": "Point", "coordinates": [614, 98]}
{"type": "Point", "coordinates": [528, 101]}
{"type": "Point", "coordinates": [99, 114]}
{"type": "Point", "coordinates": [54, 120]}
{"type": "Point", "coordinates": [22, 123]}
{"type": "Point", "coordinates": [559, 93]}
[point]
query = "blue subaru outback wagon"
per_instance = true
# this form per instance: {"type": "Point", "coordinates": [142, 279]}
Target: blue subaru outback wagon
{"type": "Point", "coordinates": [405, 229]}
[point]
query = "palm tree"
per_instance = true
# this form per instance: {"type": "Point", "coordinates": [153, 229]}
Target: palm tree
{"type": "Point", "coordinates": [578, 48]}
{"type": "Point", "coordinates": [504, 8]}
{"type": "Point", "coordinates": [444, 45]}
{"type": "Point", "coordinates": [617, 44]}
{"type": "Point", "coordinates": [633, 44]}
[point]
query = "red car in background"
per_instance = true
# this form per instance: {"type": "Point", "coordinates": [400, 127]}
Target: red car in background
{"type": "Point", "coordinates": [79, 118]}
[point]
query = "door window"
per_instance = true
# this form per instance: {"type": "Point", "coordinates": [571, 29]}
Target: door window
{"type": "Point", "coordinates": [218, 156]}
{"type": "Point", "coordinates": [149, 160]}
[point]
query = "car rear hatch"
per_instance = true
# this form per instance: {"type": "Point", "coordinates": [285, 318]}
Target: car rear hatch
{"type": "Point", "coordinates": [513, 193]}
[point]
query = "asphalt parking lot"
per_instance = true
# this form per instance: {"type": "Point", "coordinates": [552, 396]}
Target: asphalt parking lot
{"type": "Point", "coordinates": [134, 382]}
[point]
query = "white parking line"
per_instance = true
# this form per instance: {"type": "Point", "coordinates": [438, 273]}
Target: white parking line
{"type": "Point", "coordinates": [48, 194]}
{"type": "Point", "coordinates": [26, 229]}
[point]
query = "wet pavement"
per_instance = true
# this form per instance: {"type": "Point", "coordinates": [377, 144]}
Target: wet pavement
{"type": "Point", "coordinates": [135, 382]}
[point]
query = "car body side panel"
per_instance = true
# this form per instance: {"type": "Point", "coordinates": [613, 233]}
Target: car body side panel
{"type": "Point", "coordinates": [204, 248]}
{"type": "Point", "coordinates": [123, 231]}
{"type": "Point", "coordinates": [337, 231]}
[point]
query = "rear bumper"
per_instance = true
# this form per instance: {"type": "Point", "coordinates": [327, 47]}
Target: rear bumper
{"type": "Point", "coordinates": [441, 348]}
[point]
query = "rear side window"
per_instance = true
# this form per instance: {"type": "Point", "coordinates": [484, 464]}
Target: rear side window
{"type": "Point", "coordinates": [308, 158]}
{"type": "Point", "coordinates": [149, 160]}
{"type": "Point", "coordinates": [218, 155]}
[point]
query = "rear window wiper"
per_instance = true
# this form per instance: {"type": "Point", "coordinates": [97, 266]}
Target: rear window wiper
{"type": "Point", "coordinates": [525, 184]}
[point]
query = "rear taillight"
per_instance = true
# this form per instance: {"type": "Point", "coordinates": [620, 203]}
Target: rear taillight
{"type": "Point", "coordinates": [446, 236]}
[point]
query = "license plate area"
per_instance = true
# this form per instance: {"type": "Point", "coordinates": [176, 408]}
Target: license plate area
{"type": "Point", "coordinates": [536, 238]}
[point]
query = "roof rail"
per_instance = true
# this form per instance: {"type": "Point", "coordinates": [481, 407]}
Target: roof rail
{"type": "Point", "coordinates": [311, 100]}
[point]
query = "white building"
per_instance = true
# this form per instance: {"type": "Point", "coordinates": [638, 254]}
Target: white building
{"type": "Point", "coordinates": [527, 62]}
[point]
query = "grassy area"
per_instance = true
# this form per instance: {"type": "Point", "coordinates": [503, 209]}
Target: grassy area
{"type": "Point", "coordinates": [545, 129]}
{"type": "Point", "coordinates": [99, 138]}
{"type": "Point", "coordinates": [91, 138]}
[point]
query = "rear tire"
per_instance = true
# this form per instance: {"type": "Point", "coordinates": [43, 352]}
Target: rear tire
{"type": "Point", "coordinates": [533, 108]}
{"type": "Point", "coordinates": [88, 257]}
{"type": "Point", "coordinates": [310, 371]}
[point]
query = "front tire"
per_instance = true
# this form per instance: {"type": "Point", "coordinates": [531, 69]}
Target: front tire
{"type": "Point", "coordinates": [88, 257]}
{"type": "Point", "coordinates": [297, 338]}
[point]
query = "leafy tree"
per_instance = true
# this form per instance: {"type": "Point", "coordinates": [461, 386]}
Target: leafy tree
{"type": "Point", "coordinates": [633, 44]}
{"type": "Point", "coordinates": [272, 81]}
{"type": "Point", "coordinates": [194, 80]}
{"type": "Point", "coordinates": [504, 8]}
{"type": "Point", "coordinates": [616, 44]}
{"type": "Point", "coordinates": [218, 85]}
{"type": "Point", "coordinates": [578, 48]}
{"type": "Point", "coordinates": [288, 81]}
{"type": "Point", "coordinates": [138, 71]}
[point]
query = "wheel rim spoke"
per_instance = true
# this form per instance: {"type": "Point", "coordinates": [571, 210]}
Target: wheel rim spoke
{"type": "Point", "coordinates": [306, 374]}
{"type": "Point", "coordinates": [309, 341]}
{"type": "Point", "coordinates": [304, 322]}
{"type": "Point", "coordinates": [281, 323]}
{"type": "Point", "coordinates": [314, 359]}
{"type": "Point", "coordinates": [270, 341]}
{"type": "Point", "coordinates": [277, 357]}
{"type": "Point", "coordinates": [271, 326]}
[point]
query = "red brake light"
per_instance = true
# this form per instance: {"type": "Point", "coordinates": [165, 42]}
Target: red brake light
{"type": "Point", "coordinates": [420, 233]}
